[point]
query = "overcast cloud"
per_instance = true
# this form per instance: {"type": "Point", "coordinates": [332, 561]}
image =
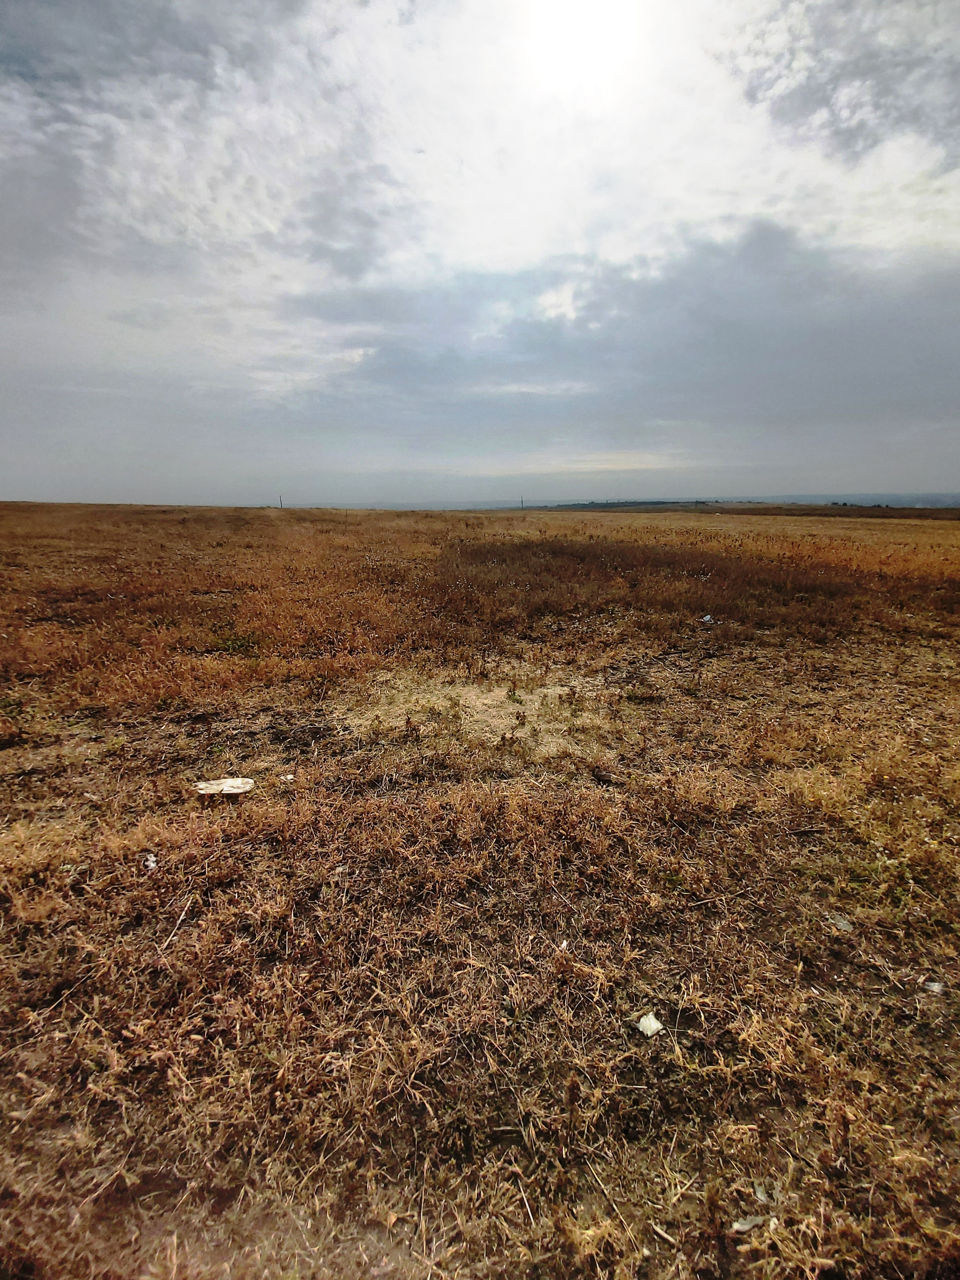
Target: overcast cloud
{"type": "Point", "coordinates": [463, 250]}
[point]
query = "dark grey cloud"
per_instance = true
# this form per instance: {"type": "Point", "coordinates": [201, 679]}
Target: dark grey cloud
{"type": "Point", "coordinates": [770, 331]}
{"type": "Point", "coordinates": [764, 331]}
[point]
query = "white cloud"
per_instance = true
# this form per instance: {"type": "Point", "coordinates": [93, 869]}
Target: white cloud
{"type": "Point", "coordinates": [486, 135]}
{"type": "Point", "coordinates": [559, 303]}
{"type": "Point", "coordinates": [514, 151]}
{"type": "Point", "coordinates": [561, 387]}
{"type": "Point", "coordinates": [484, 170]}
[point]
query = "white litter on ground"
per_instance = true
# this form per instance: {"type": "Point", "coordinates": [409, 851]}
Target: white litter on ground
{"type": "Point", "coordinates": [743, 1225]}
{"type": "Point", "coordinates": [649, 1024]}
{"type": "Point", "coordinates": [224, 786]}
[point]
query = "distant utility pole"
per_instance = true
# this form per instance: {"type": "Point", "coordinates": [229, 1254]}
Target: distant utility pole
{"type": "Point", "coordinates": [521, 502]}
{"type": "Point", "coordinates": [281, 502]}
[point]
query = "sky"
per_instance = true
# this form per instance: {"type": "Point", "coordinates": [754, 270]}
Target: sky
{"type": "Point", "coordinates": [446, 252]}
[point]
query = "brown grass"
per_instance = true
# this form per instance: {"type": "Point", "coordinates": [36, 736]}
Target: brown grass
{"type": "Point", "coordinates": [380, 1017]}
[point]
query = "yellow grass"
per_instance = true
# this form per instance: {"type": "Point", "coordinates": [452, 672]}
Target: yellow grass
{"type": "Point", "coordinates": [380, 1017]}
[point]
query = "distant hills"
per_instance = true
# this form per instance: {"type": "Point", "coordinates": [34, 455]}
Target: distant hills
{"type": "Point", "coordinates": [872, 499]}
{"type": "Point", "coordinates": [924, 501]}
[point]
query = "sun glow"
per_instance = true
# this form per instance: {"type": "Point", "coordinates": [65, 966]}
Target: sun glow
{"type": "Point", "coordinates": [590, 52]}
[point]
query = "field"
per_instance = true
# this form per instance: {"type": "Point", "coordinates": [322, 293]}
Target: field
{"type": "Point", "coordinates": [520, 781]}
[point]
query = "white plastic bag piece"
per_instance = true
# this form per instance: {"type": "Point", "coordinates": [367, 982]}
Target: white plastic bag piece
{"type": "Point", "coordinates": [649, 1024]}
{"type": "Point", "coordinates": [224, 786]}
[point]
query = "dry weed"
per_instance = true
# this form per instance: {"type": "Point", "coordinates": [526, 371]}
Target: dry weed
{"type": "Point", "coordinates": [382, 1016]}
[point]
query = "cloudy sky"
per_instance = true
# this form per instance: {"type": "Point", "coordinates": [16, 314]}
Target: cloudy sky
{"type": "Point", "coordinates": [432, 251]}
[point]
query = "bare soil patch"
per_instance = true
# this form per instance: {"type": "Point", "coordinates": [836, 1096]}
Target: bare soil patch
{"type": "Point", "coordinates": [561, 718]}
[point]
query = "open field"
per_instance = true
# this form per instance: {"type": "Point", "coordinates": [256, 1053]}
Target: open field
{"type": "Point", "coordinates": [381, 1017]}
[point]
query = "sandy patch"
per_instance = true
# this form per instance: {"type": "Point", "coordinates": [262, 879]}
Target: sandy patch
{"type": "Point", "coordinates": [562, 717]}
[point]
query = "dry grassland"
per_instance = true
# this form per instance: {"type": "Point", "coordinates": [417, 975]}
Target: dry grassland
{"type": "Point", "coordinates": [380, 1017]}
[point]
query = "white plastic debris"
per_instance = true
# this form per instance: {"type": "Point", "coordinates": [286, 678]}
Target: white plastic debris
{"type": "Point", "coordinates": [838, 921]}
{"type": "Point", "coordinates": [708, 619]}
{"type": "Point", "coordinates": [286, 777]}
{"type": "Point", "coordinates": [935, 988]}
{"type": "Point", "coordinates": [649, 1024]}
{"type": "Point", "coordinates": [743, 1225]}
{"type": "Point", "coordinates": [150, 862]}
{"type": "Point", "coordinates": [224, 786]}
{"type": "Point", "coordinates": [760, 1191]}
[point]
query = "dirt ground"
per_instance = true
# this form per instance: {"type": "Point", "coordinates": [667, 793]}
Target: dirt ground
{"type": "Point", "coordinates": [520, 781]}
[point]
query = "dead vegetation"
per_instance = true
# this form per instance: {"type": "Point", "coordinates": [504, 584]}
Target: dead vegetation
{"type": "Point", "coordinates": [382, 1016]}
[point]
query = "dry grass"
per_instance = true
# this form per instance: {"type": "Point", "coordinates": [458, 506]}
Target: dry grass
{"type": "Point", "coordinates": [380, 1017]}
